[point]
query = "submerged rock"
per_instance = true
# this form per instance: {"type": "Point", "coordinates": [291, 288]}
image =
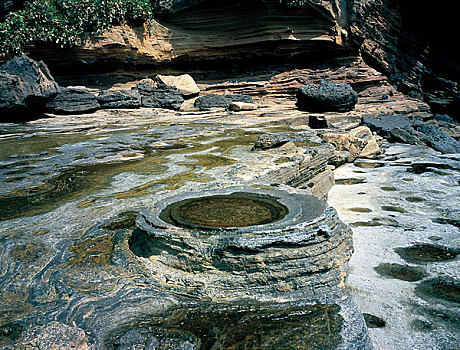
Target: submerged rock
{"type": "Point", "coordinates": [159, 95]}
{"type": "Point", "coordinates": [73, 100]}
{"type": "Point", "coordinates": [25, 87]}
{"type": "Point", "coordinates": [328, 96]}
{"type": "Point", "coordinates": [120, 99]}
{"type": "Point", "coordinates": [220, 101]}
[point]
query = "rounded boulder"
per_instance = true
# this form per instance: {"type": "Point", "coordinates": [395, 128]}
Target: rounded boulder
{"type": "Point", "coordinates": [327, 96]}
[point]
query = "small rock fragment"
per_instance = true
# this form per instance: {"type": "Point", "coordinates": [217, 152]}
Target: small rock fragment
{"type": "Point", "coordinates": [242, 106]}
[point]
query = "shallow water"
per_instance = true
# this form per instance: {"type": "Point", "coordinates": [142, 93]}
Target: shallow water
{"type": "Point", "coordinates": [70, 190]}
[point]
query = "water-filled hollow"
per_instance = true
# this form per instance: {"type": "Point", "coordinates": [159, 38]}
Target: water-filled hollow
{"type": "Point", "coordinates": [237, 209]}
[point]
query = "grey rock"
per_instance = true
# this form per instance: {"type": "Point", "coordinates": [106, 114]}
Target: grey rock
{"type": "Point", "coordinates": [328, 96]}
{"type": "Point", "coordinates": [266, 141]}
{"type": "Point", "coordinates": [159, 95]}
{"type": "Point", "coordinates": [438, 140]}
{"type": "Point", "coordinates": [73, 101]}
{"type": "Point", "coordinates": [412, 131]}
{"type": "Point", "coordinates": [220, 101]}
{"type": "Point", "coordinates": [120, 99]}
{"type": "Point", "coordinates": [25, 87]}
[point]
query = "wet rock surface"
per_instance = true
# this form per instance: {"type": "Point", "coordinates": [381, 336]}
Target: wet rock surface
{"type": "Point", "coordinates": [328, 96]}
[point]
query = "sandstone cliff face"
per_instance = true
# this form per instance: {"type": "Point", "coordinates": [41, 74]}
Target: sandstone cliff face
{"type": "Point", "coordinates": [234, 31]}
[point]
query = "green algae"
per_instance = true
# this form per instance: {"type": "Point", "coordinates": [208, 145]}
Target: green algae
{"type": "Point", "coordinates": [92, 251]}
{"type": "Point", "coordinates": [237, 327]}
{"type": "Point", "coordinates": [438, 289]}
{"type": "Point", "coordinates": [393, 208]}
{"type": "Point", "coordinates": [373, 321]}
{"type": "Point", "coordinates": [209, 161]}
{"type": "Point", "coordinates": [360, 210]}
{"type": "Point", "coordinates": [415, 199]}
{"type": "Point", "coordinates": [401, 272]}
{"type": "Point", "coordinates": [283, 160]}
{"type": "Point", "coordinates": [424, 253]}
{"type": "Point", "coordinates": [350, 181]}
{"type": "Point", "coordinates": [28, 252]}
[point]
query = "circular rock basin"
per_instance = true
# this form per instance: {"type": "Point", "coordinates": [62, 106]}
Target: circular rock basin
{"type": "Point", "coordinates": [237, 209]}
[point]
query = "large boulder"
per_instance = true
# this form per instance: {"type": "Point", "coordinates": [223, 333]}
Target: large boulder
{"type": "Point", "coordinates": [185, 83]}
{"type": "Point", "coordinates": [74, 100]}
{"type": "Point", "coordinates": [119, 99]}
{"type": "Point", "coordinates": [220, 101]}
{"type": "Point", "coordinates": [155, 95]}
{"type": "Point", "coordinates": [25, 87]}
{"type": "Point", "coordinates": [327, 96]}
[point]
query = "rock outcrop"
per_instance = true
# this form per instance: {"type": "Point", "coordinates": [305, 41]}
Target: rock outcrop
{"type": "Point", "coordinates": [119, 99]}
{"type": "Point", "coordinates": [413, 131]}
{"type": "Point", "coordinates": [25, 87]}
{"type": "Point", "coordinates": [155, 95]}
{"type": "Point", "coordinates": [328, 96]}
{"type": "Point", "coordinates": [74, 100]}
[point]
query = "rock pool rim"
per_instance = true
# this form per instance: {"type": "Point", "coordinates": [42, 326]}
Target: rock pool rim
{"type": "Point", "coordinates": [224, 211]}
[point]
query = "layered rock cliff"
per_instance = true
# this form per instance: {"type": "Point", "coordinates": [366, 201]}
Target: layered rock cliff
{"type": "Point", "coordinates": [410, 41]}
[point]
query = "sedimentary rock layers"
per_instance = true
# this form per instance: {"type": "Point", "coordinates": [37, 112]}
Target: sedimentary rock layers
{"type": "Point", "coordinates": [289, 257]}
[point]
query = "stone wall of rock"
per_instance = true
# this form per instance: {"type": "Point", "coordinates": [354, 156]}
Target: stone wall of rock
{"type": "Point", "coordinates": [411, 42]}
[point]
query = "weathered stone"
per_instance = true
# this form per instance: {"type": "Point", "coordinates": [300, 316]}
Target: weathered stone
{"type": "Point", "coordinates": [220, 101]}
{"type": "Point", "coordinates": [55, 335]}
{"type": "Point", "coordinates": [159, 95]}
{"type": "Point", "coordinates": [74, 100]}
{"type": "Point", "coordinates": [185, 83]}
{"type": "Point", "coordinates": [119, 99]}
{"type": "Point", "coordinates": [327, 96]}
{"type": "Point", "coordinates": [358, 142]}
{"type": "Point", "coordinates": [25, 87]}
{"type": "Point", "coordinates": [266, 141]}
{"type": "Point", "coordinates": [242, 106]}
